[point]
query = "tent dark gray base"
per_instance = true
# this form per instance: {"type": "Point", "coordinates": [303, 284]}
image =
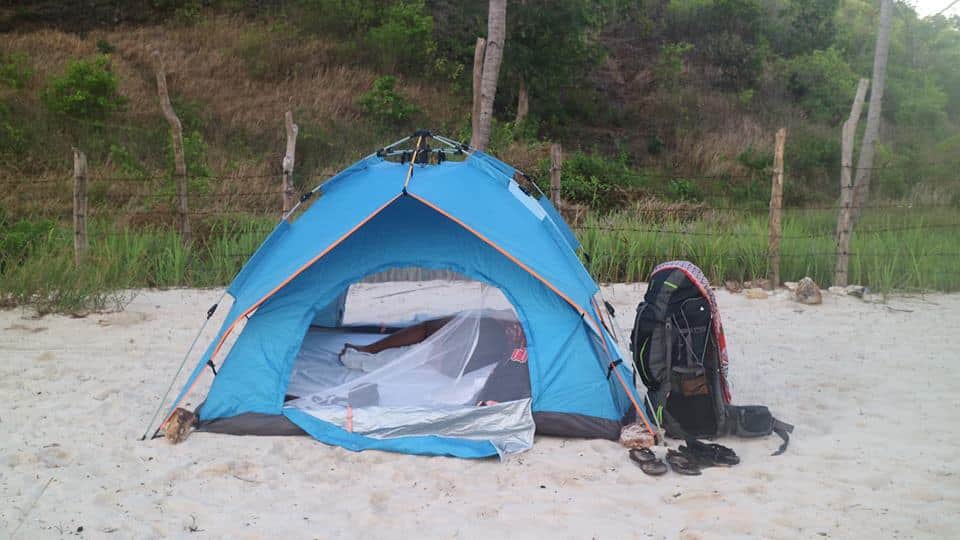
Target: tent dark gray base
{"type": "Point", "coordinates": [548, 423]}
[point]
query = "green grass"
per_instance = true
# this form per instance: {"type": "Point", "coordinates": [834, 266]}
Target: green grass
{"type": "Point", "coordinates": [892, 248]}
{"type": "Point", "coordinates": [895, 249]}
{"type": "Point", "coordinates": [48, 278]}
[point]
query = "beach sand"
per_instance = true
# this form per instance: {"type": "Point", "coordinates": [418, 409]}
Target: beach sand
{"type": "Point", "coordinates": [871, 388]}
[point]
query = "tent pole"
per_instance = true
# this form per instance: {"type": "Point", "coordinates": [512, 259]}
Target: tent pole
{"type": "Point", "coordinates": [180, 369]}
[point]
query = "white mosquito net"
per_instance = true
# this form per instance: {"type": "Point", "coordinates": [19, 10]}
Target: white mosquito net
{"type": "Point", "coordinates": [439, 357]}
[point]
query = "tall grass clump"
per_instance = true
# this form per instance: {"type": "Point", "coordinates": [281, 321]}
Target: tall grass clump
{"type": "Point", "coordinates": [45, 275]}
{"type": "Point", "coordinates": [893, 248]}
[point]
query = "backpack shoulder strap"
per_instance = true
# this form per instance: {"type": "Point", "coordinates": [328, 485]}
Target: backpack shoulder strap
{"type": "Point", "coordinates": [784, 430]}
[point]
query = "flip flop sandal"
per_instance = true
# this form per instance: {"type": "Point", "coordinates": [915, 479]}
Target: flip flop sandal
{"type": "Point", "coordinates": [724, 455]}
{"type": "Point", "coordinates": [682, 463]}
{"type": "Point", "coordinates": [709, 455]}
{"type": "Point", "coordinates": [648, 462]}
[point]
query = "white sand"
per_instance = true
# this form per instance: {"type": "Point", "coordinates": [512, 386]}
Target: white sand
{"type": "Point", "coordinates": [871, 389]}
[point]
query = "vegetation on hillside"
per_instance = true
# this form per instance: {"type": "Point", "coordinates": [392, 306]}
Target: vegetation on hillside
{"type": "Point", "coordinates": [653, 100]}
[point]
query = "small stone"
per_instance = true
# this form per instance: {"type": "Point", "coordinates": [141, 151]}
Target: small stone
{"type": "Point", "coordinates": [732, 286]}
{"type": "Point", "coordinates": [856, 290]}
{"type": "Point", "coordinates": [790, 285]}
{"type": "Point", "coordinates": [758, 284]}
{"type": "Point", "coordinates": [808, 292]}
{"type": "Point", "coordinates": [755, 294]}
{"type": "Point", "coordinates": [837, 290]}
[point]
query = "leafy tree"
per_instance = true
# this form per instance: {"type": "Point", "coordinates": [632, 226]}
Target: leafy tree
{"type": "Point", "coordinates": [917, 101]}
{"type": "Point", "coordinates": [88, 89]}
{"type": "Point", "coordinates": [727, 35]}
{"type": "Point", "coordinates": [551, 49]}
{"type": "Point", "coordinates": [395, 35]}
{"type": "Point", "coordinates": [403, 41]}
{"type": "Point", "coordinates": [805, 26]}
{"type": "Point", "coordinates": [822, 83]}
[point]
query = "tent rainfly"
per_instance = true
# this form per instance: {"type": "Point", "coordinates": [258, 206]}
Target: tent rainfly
{"type": "Point", "coordinates": [447, 208]}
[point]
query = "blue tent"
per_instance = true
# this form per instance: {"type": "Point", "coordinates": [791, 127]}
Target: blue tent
{"type": "Point", "coordinates": [468, 216]}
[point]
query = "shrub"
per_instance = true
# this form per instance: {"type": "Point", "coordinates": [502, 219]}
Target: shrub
{"type": "Point", "coordinates": [684, 190]}
{"type": "Point", "coordinates": [404, 41]}
{"type": "Point", "coordinates": [669, 67]}
{"type": "Point", "coordinates": [810, 154]}
{"type": "Point", "coordinates": [822, 83]}
{"type": "Point", "coordinates": [19, 239]}
{"type": "Point", "coordinates": [271, 53]}
{"type": "Point", "coordinates": [15, 70]}
{"type": "Point", "coordinates": [198, 172]}
{"type": "Point", "coordinates": [594, 179]}
{"type": "Point", "coordinates": [121, 157]}
{"type": "Point", "coordinates": [105, 47]}
{"type": "Point", "coordinates": [385, 104]}
{"type": "Point", "coordinates": [88, 90]}
{"type": "Point", "coordinates": [12, 138]}
{"type": "Point", "coordinates": [343, 18]}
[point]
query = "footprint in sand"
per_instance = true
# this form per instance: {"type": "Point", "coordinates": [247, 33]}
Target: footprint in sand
{"type": "Point", "coordinates": [104, 394]}
{"type": "Point", "coordinates": [53, 456]}
{"type": "Point", "coordinates": [378, 502]}
{"type": "Point", "coordinates": [24, 328]}
{"type": "Point", "coordinates": [124, 318]}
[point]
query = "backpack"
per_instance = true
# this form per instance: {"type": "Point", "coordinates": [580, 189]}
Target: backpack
{"type": "Point", "coordinates": [679, 351]}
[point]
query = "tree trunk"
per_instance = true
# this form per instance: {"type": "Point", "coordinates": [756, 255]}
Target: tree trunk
{"type": "Point", "coordinates": [478, 53]}
{"type": "Point", "coordinates": [523, 102]}
{"type": "Point", "coordinates": [872, 132]}
{"type": "Point", "coordinates": [845, 215]}
{"type": "Point", "coordinates": [496, 35]}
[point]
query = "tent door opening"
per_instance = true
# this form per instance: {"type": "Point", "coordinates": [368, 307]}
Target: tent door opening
{"type": "Point", "coordinates": [443, 357]}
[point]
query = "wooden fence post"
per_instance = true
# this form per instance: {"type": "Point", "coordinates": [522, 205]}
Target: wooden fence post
{"type": "Point", "coordinates": [179, 161]}
{"type": "Point", "coordinates": [79, 205]}
{"type": "Point", "coordinates": [776, 211]}
{"type": "Point", "coordinates": [556, 166]}
{"type": "Point", "coordinates": [478, 56]}
{"type": "Point", "coordinates": [289, 200]}
{"type": "Point", "coordinates": [845, 215]}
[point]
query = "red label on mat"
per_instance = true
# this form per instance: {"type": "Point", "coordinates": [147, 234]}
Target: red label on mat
{"type": "Point", "coordinates": [519, 355]}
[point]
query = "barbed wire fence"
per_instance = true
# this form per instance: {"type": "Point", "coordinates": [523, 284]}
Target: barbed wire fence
{"type": "Point", "coordinates": [149, 200]}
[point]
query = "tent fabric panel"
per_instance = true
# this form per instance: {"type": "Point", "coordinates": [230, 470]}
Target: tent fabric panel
{"type": "Point", "coordinates": [331, 217]}
{"type": "Point", "coordinates": [515, 227]}
{"type": "Point", "coordinates": [251, 379]}
{"type": "Point", "coordinates": [331, 315]}
{"type": "Point", "coordinates": [350, 171]}
{"type": "Point", "coordinates": [264, 251]}
{"type": "Point", "coordinates": [576, 425]}
{"type": "Point", "coordinates": [267, 425]}
{"type": "Point", "coordinates": [558, 222]}
{"type": "Point", "coordinates": [421, 445]}
{"type": "Point", "coordinates": [569, 379]}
